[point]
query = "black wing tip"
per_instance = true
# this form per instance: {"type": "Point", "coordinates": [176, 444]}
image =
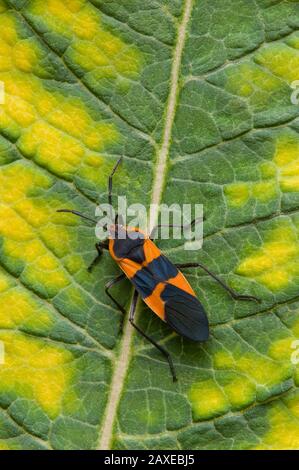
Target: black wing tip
{"type": "Point", "coordinates": [185, 315]}
{"type": "Point", "coordinates": [201, 335]}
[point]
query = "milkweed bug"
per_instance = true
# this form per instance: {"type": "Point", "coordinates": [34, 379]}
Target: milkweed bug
{"type": "Point", "coordinates": [158, 281]}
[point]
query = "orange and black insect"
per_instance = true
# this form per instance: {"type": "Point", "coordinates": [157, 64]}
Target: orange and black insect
{"type": "Point", "coordinates": [158, 281]}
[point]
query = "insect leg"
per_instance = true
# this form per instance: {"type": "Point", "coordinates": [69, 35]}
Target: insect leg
{"type": "Point", "coordinates": [110, 180]}
{"type": "Point", "coordinates": [233, 293]}
{"type": "Point", "coordinates": [100, 246]}
{"type": "Point", "coordinates": [112, 283]}
{"type": "Point", "coordinates": [153, 232]}
{"type": "Point", "coordinates": [161, 349]}
{"type": "Point", "coordinates": [79, 214]}
{"type": "Point", "coordinates": [133, 305]}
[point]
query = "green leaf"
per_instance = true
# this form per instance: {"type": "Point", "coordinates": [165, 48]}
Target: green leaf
{"type": "Point", "coordinates": [196, 95]}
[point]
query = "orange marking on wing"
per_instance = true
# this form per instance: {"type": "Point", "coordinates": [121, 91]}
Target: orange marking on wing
{"type": "Point", "coordinates": [154, 301]}
{"type": "Point", "coordinates": [181, 282]}
{"type": "Point", "coordinates": [128, 266]}
{"type": "Point", "coordinates": [111, 248]}
{"type": "Point", "coordinates": [151, 251]}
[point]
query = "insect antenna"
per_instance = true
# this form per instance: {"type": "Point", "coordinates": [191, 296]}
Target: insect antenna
{"type": "Point", "coordinates": [110, 180]}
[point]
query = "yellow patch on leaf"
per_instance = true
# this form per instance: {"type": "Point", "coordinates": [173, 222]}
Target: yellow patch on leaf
{"type": "Point", "coordinates": [240, 391]}
{"type": "Point", "coordinates": [251, 81]}
{"type": "Point", "coordinates": [20, 226]}
{"type": "Point", "coordinates": [287, 161]}
{"type": "Point", "coordinates": [237, 194]}
{"type": "Point", "coordinates": [35, 116]}
{"type": "Point", "coordinates": [276, 263]}
{"type": "Point", "coordinates": [26, 311]}
{"type": "Point", "coordinates": [247, 373]}
{"type": "Point", "coordinates": [280, 174]}
{"type": "Point", "coordinates": [207, 400]}
{"type": "Point", "coordinates": [283, 433]}
{"type": "Point", "coordinates": [281, 60]}
{"type": "Point", "coordinates": [92, 46]}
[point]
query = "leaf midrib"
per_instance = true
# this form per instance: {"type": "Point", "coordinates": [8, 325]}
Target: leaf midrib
{"type": "Point", "coordinates": [123, 360]}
